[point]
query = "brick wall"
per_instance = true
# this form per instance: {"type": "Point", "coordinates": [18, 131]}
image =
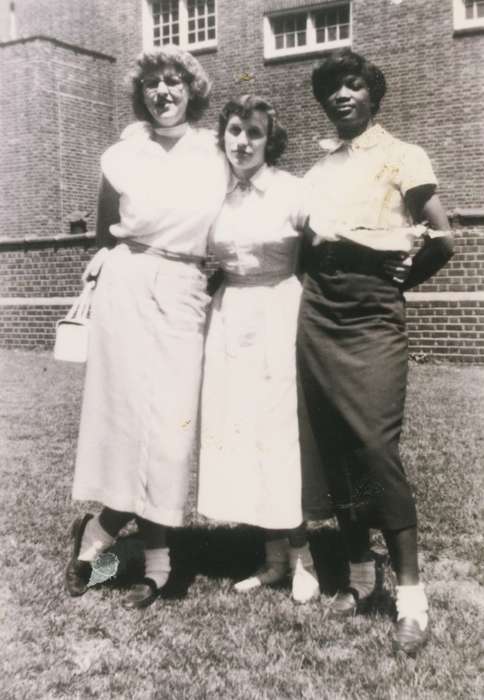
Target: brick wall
{"type": "Point", "coordinates": [446, 330]}
{"type": "Point", "coordinates": [465, 271]}
{"type": "Point", "coordinates": [30, 326]}
{"type": "Point", "coordinates": [45, 269]}
{"type": "Point", "coordinates": [63, 106]}
{"type": "Point", "coordinates": [56, 111]}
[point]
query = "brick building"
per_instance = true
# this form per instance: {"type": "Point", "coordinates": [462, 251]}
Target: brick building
{"type": "Point", "coordinates": [63, 101]}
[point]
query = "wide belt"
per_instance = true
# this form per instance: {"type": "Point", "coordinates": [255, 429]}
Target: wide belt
{"type": "Point", "coordinates": [137, 247]}
{"type": "Point", "coordinates": [254, 280]}
{"type": "Point", "coordinates": [331, 257]}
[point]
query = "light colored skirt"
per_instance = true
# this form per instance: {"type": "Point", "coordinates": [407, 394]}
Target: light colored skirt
{"type": "Point", "coordinates": [250, 468]}
{"type": "Point", "coordinates": [140, 408]}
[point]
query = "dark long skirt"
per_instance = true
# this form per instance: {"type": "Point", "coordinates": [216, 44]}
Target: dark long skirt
{"type": "Point", "coordinates": [352, 357]}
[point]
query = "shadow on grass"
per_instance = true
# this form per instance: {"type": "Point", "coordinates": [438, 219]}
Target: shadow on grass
{"type": "Point", "coordinates": [233, 553]}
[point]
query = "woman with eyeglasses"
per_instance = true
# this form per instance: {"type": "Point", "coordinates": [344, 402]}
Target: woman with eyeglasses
{"type": "Point", "coordinates": [163, 184]}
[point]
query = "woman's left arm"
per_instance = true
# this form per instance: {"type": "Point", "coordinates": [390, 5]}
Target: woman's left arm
{"type": "Point", "coordinates": [425, 205]}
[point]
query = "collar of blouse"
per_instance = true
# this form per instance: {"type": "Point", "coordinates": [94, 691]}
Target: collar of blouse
{"type": "Point", "coordinates": [368, 139]}
{"type": "Point", "coordinates": [260, 181]}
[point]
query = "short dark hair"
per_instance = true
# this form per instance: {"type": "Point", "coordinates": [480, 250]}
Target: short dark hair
{"type": "Point", "coordinates": [343, 62]}
{"type": "Point", "coordinates": [244, 107]}
{"type": "Point", "coordinates": [189, 69]}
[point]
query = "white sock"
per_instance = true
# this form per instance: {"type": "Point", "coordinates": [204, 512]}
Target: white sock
{"type": "Point", "coordinates": [302, 555]}
{"type": "Point", "coordinates": [363, 577]}
{"type": "Point", "coordinates": [305, 584]}
{"type": "Point", "coordinates": [274, 568]}
{"type": "Point", "coordinates": [412, 603]}
{"type": "Point", "coordinates": [95, 540]}
{"type": "Point", "coordinates": [157, 565]}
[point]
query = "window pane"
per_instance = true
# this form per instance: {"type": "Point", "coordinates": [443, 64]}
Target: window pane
{"type": "Point", "coordinates": [469, 10]}
{"type": "Point", "coordinates": [278, 26]}
{"type": "Point", "coordinates": [480, 9]}
{"type": "Point", "coordinates": [344, 14]}
{"type": "Point", "coordinates": [156, 8]}
{"type": "Point", "coordinates": [332, 33]}
{"type": "Point", "coordinates": [211, 21]}
{"type": "Point", "coordinates": [320, 19]}
{"type": "Point", "coordinates": [301, 38]}
{"type": "Point", "coordinates": [344, 31]}
{"type": "Point", "coordinates": [279, 41]}
{"type": "Point", "coordinates": [320, 36]}
{"type": "Point", "coordinates": [211, 33]}
{"type": "Point", "coordinates": [290, 41]}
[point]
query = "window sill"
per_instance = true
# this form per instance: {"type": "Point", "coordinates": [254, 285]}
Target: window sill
{"type": "Point", "coordinates": [468, 31]}
{"type": "Point", "coordinates": [33, 241]}
{"type": "Point", "coordinates": [201, 50]}
{"type": "Point", "coordinates": [303, 55]}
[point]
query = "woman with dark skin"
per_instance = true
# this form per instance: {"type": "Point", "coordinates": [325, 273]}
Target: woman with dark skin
{"type": "Point", "coordinates": [368, 196]}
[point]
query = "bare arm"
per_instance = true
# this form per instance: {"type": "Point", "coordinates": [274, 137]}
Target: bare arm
{"type": "Point", "coordinates": [435, 252]}
{"type": "Point", "coordinates": [107, 214]}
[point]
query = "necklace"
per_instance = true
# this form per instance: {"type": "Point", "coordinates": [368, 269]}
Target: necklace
{"type": "Point", "coordinates": [172, 132]}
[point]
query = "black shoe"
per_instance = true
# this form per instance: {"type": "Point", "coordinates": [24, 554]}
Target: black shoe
{"type": "Point", "coordinates": [408, 637]}
{"type": "Point", "coordinates": [78, 572]}
{"type": "Point", "coordinates": [349, 602]}
{"type": "Point", "coordinates": [142, 594]}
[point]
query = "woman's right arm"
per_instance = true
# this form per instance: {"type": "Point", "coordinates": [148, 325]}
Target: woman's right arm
{"type": "Point", "coordinates": [107, 214]}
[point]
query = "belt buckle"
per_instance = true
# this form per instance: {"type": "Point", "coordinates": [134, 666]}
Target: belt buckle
{"type": "Point", "coordinates": [328, 263]}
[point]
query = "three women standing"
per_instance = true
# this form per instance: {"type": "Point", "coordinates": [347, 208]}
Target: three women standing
{"type": "Point", "coordinates": [163, 185]}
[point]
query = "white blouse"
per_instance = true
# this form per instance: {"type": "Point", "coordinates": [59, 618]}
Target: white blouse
{"type": "Point", "coordinates": [168, 199]}
{"type": "Point", "coordinates": [356, 190]}
{"type": "Point", "coordinates": [256, 233]}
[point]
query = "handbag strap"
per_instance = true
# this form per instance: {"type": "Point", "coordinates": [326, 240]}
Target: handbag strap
{"type": "Point", "coordinates": [80, 309]}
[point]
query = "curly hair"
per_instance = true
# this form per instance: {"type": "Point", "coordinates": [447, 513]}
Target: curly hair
{"type": "Point", "coordinates": [329, 71]}
{"type": "Point", "coordinates": [244, 107]}
{"type": "Point", "coordinates": [189, 69]}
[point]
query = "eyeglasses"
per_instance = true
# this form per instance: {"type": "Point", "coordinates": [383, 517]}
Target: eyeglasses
{"type": "Point", "coordinates": [173, 83]}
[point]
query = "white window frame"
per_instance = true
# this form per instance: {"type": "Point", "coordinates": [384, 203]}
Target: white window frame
{"type": "Point", "coordinates": [460, 19]}
{"type": "Point", "coordinates": [148, 27]}
{"type": "Point", "coordinates": [312, 46]}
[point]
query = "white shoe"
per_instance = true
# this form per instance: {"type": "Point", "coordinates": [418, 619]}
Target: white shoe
{"type": "Point", "coordinates": [305, 584]}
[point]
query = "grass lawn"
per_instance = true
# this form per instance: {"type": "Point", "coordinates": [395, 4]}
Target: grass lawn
{"type": "Point", "coordinates": [203, 640]}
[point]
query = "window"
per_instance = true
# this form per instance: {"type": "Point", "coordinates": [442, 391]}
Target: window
{"type": "Point", "coordinates": [315, 29]}
{"type": "Point", "coordinates": [468, 14]}
{"type": "Point", "coordinates": [191, 24]}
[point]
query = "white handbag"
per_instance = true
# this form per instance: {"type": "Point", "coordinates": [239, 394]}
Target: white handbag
{"type": "Point", "coordinates": [71, 335]}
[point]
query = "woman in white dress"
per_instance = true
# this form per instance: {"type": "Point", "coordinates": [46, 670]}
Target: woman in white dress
{"type": "Point", "coordinates": [163, 185]}
{"type": "Point", "coordinates": [250, 459]}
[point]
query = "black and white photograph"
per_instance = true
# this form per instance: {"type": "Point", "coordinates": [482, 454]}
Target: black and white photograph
{"type": "Point", "coordinates": [242, 349]}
